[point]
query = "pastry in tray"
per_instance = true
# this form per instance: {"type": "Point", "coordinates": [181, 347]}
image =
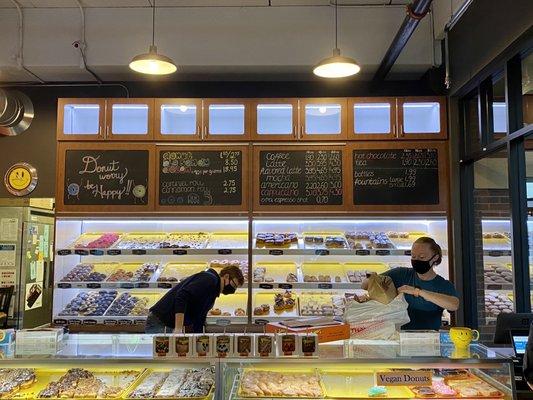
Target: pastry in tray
{"type": "Point", "coordinates": [497, 303]}
{"type": "Point", "coordinates": [92, 303]}
{"type": "Point", "coordinates": [243, 265]}
{"type": "Point", "coordinates": [129, 305]}
{"type": "Point", "coordinates": [335, 242]}
{"type": "Point", "coordinates": [96, 241]}
{"type": "Point", "coordinates": [185, 241]}
{"type": "Point", "coordinates": [359, 240]}
{"type": "Point", "coordinates": [141, 241]}
{"type": "Point", "coordinates": [276, 239]}
{"type": "Point", "coordinates": [257, 383]}
{"type": "Point", "coordinates": [496, 274]}
{"type": "Point", "coordinates": [142, 274]}
{"type": "Point", "coordinates": [14, 379]}
{"type": "Point", "coordinates": [473, 387]}
{"type": "Point", "coordinates": [84, 273]}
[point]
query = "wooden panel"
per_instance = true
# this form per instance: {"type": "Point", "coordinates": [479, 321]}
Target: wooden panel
{"type": "Point", "coordinates": [410, 208]}
{"type": "Point", "coordinates": [371, 136]}
{"type": "Point", "coordinates": [443, 134]}
{"type": "Point", "coordinates": [320, 137]}
{"type": "Point", "coordinates": [177, 137]}
{"type": "Point", "coordinates": [204, 208]}
{"type": "Point", "coordinates": [269, 137]}
{"type": "Point", "coordinates": [126, 137]}
{"type": "Point", "coordinates": [61, 119]}
{"type": "Point", "coordinates": [61, 173]}
{"type": "Point", "coordinates": [227, 137]}
{"type": "Point", "coordinates": [283, 208]}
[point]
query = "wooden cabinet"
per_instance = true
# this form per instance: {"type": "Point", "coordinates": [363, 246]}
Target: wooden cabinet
{"type": "Point", "coordinates": [372, 118]}
{"type": "Point", "coordinates": [323, 119]}
{"type": "Point", "coordinates": [422, 118]}
{"type": "Point", "coordinates": [80, 119]}
{"type": "Point", "coordinates": [274, 119]}
{"type": "Point", "coordinates": [178, 119]}
{"type": "Point", "coordinates": [226, 119]}
{"type": "Point", "coordinates": [129, 119]}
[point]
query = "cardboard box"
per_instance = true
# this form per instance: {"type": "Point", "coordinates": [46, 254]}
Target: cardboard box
{"type": "Point", "coordinates": [325, 333]}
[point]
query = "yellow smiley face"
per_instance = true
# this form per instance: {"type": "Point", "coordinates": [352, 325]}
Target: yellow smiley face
{"type": "Point", "coordinates": [19, 178]}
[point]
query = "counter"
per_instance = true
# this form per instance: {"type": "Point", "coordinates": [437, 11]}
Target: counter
{"type": "Point", "coordinates": [342, 369]}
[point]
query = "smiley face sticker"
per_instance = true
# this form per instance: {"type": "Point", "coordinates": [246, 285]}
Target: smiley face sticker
{"type": "Point", "coordinates": [139, 191]}
{"type": "Point", "coordinates": [20, 179]}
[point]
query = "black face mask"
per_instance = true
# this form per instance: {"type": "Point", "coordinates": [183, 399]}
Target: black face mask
{"type": "Point", "coordinates": [420, 266]}
{"type": "Point", "coordinates": [228, 289]}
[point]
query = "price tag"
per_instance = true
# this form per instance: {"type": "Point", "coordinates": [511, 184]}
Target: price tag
{"type": "Point", "coordinates": [64, 252]}
{"type": "Point", "coordinates": [81, 252]}
{"type": "Point", "coordinates": [64, 285]}
{"type": "Point", "coordinates": [60, 321]}
{"type": "Point", "coordinates": [139, 322]}
{"type": "Point", "coordinates": [143, 285]}
{"type": "Point", "coordinates": [383, 252]}
{"type": "Point", "coordinates": [276, 252]}
{"type": "Point", "coordinates": [110, 321]}
{"type": "Point", "coordinates": [286, 286]}
{"type": "Point", "coordinates": [261, 321]}
{"type": "Point", "coordinates": [225, 251]}
{"type": "Point", "coordinates": [89, 322]}
{"type": "Point", "coordinates": [93, 285]}
{"type": "Point", "coordinates": [325, 285]}
{"type": "Point", "coordinates": [404, 378]}
{"type": "Point", "coordinates": [495, 253]}
{"type": "Point", "coordinates": [407, 253]}
{"type": "Point", "coordinates": [179, 252]}
{"type": "Point", "coordinates": [164, 285]}
{"type": "Point", "coordinates": [362, 252]}
{"type": "Point", "coordinates": [96, 252]}
{"type": "Point", "coordinates": [125, 322]}
{"type": "Point", "coordinates": [138, 252]}
{"type": "Point", "coordinates": [321, 252]}
{"type": "Point", "coordinates": [74, 322]}
{"type": "Point", "coordinates": [127, 285]}
{"type": "Point", "coordinates": [266, 286]}
{"type": "Point", "coordinates": [114, 252]}
{"type": "Point", "coordinates": [223, 322]}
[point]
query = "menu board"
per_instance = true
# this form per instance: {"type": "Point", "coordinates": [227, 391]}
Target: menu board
{"type": "Point", "coordinates": [200, 177]}
{"type": "Point", "coordinates": [300, 177]}
{"type": "Point", "coordinates": [396, 177]}
{"type": "Point", "coordinates": [106, 177]}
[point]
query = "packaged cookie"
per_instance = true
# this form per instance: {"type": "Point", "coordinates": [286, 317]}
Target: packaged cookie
{"type": "Point", "coordinates": [287, 344]}
{"type": "Point", "coordinates": [183, 345]}
{"type": "Point", "coordinates": [243, 345]}
{"type": "Point", "coordinates": [308, 344]}
{"type": "Point", "coordinates": [203, 345]}
{"type": "Point", "coordinates": [265, 345]}
{"type": "Point", "coordinates": [223, 345]}
{"type": "Point", "coordinates": [163, 345]}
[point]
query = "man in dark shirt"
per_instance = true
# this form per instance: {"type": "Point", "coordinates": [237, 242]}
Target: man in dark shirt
{"type": "Point", "coordinates": [186, 305]}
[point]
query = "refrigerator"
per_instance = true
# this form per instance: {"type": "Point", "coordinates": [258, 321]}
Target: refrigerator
{"type": "Point", "coordinates": [27, 262]}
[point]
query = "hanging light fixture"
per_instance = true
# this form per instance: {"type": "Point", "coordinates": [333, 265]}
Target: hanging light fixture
{"type": "Point", "coordinates": [152, 63]}
{"type": "Point", "coordinates": [336, 66]}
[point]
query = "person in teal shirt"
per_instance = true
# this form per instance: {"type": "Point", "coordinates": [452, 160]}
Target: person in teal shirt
{"type": "Point", "coordinates": [427, 293]}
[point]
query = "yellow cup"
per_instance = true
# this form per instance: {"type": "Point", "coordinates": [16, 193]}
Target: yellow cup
{"type": "Point", "coordinates": [462, 337]}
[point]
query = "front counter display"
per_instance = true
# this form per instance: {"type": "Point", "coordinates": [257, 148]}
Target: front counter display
{"type": "Point", "coordinates": [123, 367]}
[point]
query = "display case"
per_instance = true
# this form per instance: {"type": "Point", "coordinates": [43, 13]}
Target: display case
{"type": "Point", "coordinates": [122, 366]}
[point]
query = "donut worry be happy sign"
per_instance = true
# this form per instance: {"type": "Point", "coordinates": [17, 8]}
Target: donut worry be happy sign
{"type": "Point", "coordinates": [106, 177]}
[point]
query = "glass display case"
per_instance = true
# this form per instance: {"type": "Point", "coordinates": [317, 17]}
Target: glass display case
{"type": "Point", "coordinates": [122, 366]}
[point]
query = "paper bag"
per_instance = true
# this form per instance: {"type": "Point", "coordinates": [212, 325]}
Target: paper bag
{"type": "Point", "coordinates": [381, 288]}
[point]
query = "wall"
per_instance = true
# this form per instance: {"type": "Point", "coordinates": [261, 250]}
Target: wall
{"type": "Point", "coordinates": [37, 144]}
{"type": "Point", "coordinates": [484, 31]}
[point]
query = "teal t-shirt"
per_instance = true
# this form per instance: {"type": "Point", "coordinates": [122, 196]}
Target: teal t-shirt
{"type": "Point", "coordinates": [423, 314]}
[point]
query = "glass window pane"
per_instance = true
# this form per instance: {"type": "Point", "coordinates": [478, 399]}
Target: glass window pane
{"type": "Point", "coordinates": [529, 192]}
{"type": "Point", "coordinates": [473, 130]}
{"type": "Point", "coordinates": [321, 119]}
{"type": "Point", "coordinates": [81, 119]}
{"type": "Point", "coordinates": [274, 119]}
{"type": "Point", "coordinates": [492, 226]}
{"type": "Point", "coordinates": [226, 119]}
{"type": "Point", "coordinates": [178, 119]}
{"type": "Point", "coordinates": [372, 118]}
{"type": "Point", "coordinates": [499, 108]}
{"type": "Point", "coordinates": [130, 119]}
{"type": "Point", "coordinates": [527, 89]}
{"type": "Point", "coordinates": [421, 117]}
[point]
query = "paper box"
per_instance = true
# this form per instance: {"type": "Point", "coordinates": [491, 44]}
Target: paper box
{"type": "Point", "coordinates": [265, 345]}
{"type": "Point", "coordinates": [223, 345]}
{"type": "Point", "coordinates": [325, 333]}
{"type": "Point", "coordinates": [183, 345]}
{"type": "Point", "coordinates": [243, 345]}
{"type": "Point", "coordinates": [163, 346]}
{"type": "Point", "coordinates": [203, 345]}
{"type": "Point", "coordinates": [287, 344]}
{"type": "Point", "coordinates": [308, 343]}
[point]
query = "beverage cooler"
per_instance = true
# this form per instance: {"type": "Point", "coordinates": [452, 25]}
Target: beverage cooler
{"type": "Point", "coordinates": [109, 272]}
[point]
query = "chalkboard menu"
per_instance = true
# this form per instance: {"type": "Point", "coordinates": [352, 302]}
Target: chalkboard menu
{"type": "Point", "coordinates": [200, 177]}
{"type": "Point", "coordinates": [396, 177]}
{"type": "Point", "coordinates": [300, 177]}
{"type": "Point", "coordinates": [106, 177]}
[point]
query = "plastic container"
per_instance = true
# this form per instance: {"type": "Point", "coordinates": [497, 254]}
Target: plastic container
{"type": "Point", "coordinates": [203, 345]}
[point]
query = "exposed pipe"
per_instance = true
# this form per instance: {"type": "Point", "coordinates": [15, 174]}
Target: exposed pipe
{"type": "Point", "coordinates": [20, 55]}
{"type": "Point", "coordinates": [82, 45]}
{"type": "Point", "coordinates": [32, 84]}
{"type": "Point", "coordinates": [415, 12]}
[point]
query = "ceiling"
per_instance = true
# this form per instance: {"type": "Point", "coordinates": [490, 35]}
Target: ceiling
{"type": "Point", "coordinates": [212, 39]}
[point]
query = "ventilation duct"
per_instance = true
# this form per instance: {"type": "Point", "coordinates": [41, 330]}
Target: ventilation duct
{"type": "Point", "coordinates": [16, 112]}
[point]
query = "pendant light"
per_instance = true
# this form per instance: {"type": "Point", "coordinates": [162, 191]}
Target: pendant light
{"type": "Point", "coordinates": [336, 66]}
{"type": "Point", "coordinates": [152, 63]}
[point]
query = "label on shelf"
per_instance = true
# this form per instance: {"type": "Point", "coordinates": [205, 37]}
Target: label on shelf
{"type": "Point", "coordinates": [126, 285]}
{"type": "Point", "coordinates": [261, 321]}
{"type": "Point", "coordinates": [143, 285]}
{"type": "Point", "coordinates": [81, 252]}
{"type": "Point", "coordinates": [325, 286]}
{"type": "Point", "coordinates": [63, 285]}
{"type": "Point", "coordinates": [225, 251]}
{"type": "Point", "coordinates": [321, 252]}
{"type": "Point", "coordinates": [93, 285]}
{"type": "Point", "coordinates": [114, 252]}
{"type": "Point", "coordinates": [285, 286]}
{"type": "Point", "coordinates": [266, 286]}
{"type": "Point", "coordinates": [139, 321]}
{"type": "Point", "coordinates": [362, 252]}
{"type": "Point", "coordinates": [64, 252]}
{"type": "Point", "coordinates": [110, 322]}
{"type": "Point", "coordinates": [179, 252]}
{"type": "Point", "coordinates": [383, 252]}
{"type": "Point", "coordinates": [74, 321]}
{"type": "Point", "coordinates": [60, 321]}
{"type": "Point", "coordinates": [404, 378]}
{"type": "Point", "coordinates": [125, 322]}
{"type": "Point", "coordinates": [164, 285]}
{"type": "Point", "coordinates": [223, 322]}
{"type": "Point", "coordinates": [275, 252]}
{"type": "Point", "coordinates": [89, 322]}
{"type": "Point", "coordinates": [96, 252]}
{"type": "Point", "coordinates": [138, 252]}
{"type": "Point", "coordinates": [407, 253]}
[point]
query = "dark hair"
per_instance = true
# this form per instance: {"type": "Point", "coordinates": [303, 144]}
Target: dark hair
{"type": "Point", "coordinates": [234, 272]}
{"type": "Point", "coordinates": [434, 246]}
